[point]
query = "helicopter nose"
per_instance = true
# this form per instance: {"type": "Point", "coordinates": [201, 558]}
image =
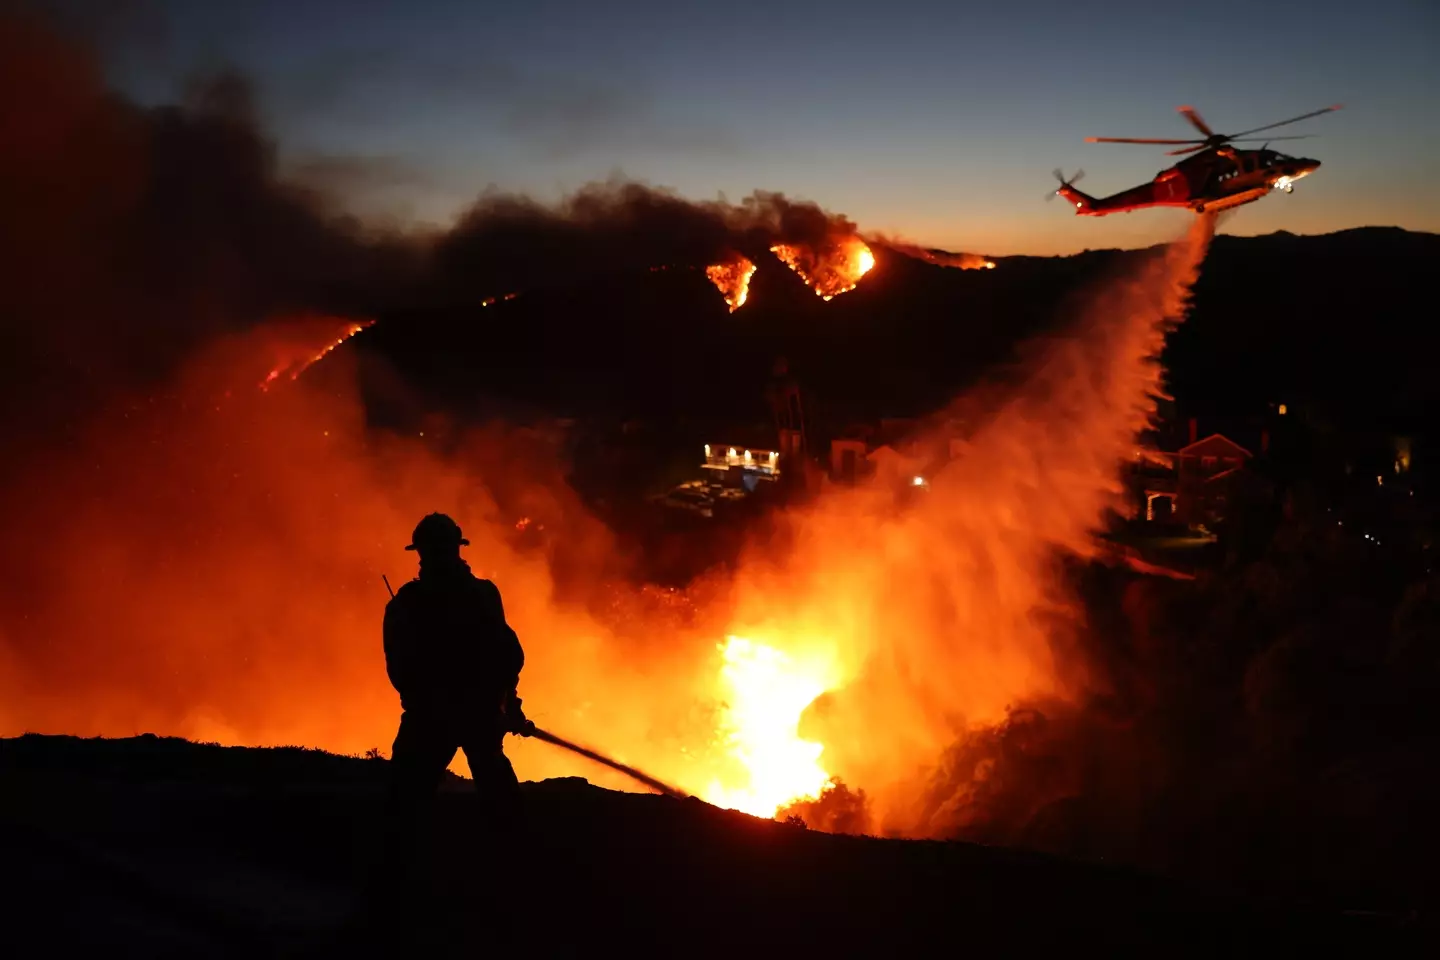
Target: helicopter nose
{"type": "Point", "coordinates": [1302, 167]}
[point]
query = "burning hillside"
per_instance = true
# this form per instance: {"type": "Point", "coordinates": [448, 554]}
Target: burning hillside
{"type": "Point", "coordinates": [297, 348]}
{"type": "Point", "coordinates": [604, 228]}
{"type": "Point", "coordinates": [732, 279]}
{"type": "Point", "coordinates": [829, 270]}
{"type": "Point", "coordinates": [233, 539]}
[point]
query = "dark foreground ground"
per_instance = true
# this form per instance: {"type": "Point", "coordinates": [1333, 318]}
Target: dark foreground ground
{"type": "Point", "coordinates": [158, 847]}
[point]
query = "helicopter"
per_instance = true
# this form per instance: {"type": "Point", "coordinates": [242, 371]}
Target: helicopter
{"type": "Point", "coordinates": [1217, 176]}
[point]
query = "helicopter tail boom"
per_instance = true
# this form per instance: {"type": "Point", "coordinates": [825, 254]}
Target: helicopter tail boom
{"type": "Point", "coordinates": [1082, 201]}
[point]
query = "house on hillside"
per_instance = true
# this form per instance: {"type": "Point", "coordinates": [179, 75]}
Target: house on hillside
{"type": "Point", "coordinates": [736, 466]}
{"type": "Point", "coordinates": [896, 465]}
{"type": "Point", "coordinates": [890, 451]}
{"type": "Point", "coordinates": [1192, 485]}
{"type": "Point", "coordinates": [1207, 473]}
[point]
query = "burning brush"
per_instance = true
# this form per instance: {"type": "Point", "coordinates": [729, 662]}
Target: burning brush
{"type": "Point", "coordinates": [300, 350]}
{"type": "Point", "coordinates": [830, 272]}
{"type": "Point", "coordinates": [732, 279]}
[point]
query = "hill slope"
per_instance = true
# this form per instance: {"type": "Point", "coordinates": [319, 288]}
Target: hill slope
{"type": "Point", "coordinates": [160, 847]}
{"type": "Point", "coordinates": [1324, 318]}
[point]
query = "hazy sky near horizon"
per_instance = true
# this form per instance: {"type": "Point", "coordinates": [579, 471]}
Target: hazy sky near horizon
{"type": "Point", "coordinates": [939, 121]}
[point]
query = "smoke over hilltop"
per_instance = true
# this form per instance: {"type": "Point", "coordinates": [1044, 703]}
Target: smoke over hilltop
{"type": "Point", "coordinates": [129, 236]}
{"type": "Point", "coordinates": [509, 242]}
{"type": "Point", "coordinates": [132, 235]}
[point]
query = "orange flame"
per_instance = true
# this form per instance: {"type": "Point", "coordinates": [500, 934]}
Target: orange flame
{"type": "Point", "coordinates": [732, 279]}
{"type": "Point", "coordinates": [296, 356]}
{"type": "Point", "coordinates": [765, 692]}
{"type": "Point", "coordinates": [832, 272]}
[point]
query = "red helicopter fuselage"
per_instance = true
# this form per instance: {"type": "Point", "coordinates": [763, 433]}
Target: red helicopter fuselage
{"type": "Point", "coordinates": [1205, 183]}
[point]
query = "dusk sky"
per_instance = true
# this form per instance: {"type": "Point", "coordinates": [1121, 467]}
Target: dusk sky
{"type": "Point", "coordinates": [939, 121]}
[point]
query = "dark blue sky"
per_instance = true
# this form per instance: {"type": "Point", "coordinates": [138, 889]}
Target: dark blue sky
{"type": "Point", "coordinates": [937, 120]}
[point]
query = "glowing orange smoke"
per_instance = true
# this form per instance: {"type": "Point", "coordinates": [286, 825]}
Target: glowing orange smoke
{"type": "Point", "coordinates": [943, 614]}
{"type": "Point", "coordinates": [297, 352]}
{"type": "Point", "coordinates": [831, 272]}
{"type": "Point", "coordinates": [230, 585]}
{"type": "Point", "coordinates": [732, 279]}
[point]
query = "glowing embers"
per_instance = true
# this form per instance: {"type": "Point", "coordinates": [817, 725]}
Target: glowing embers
{"type": "Point", "coordinates": [831, 272]}
{"type": "Point", "coordinates": [732, 279]}
{"type": "Point", "coordinates": [307, 340]}
{"type": "Point", "coordinates": [765, 693]}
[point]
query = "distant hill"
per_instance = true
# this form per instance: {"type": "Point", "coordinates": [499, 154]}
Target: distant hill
{"type": "Point", "coordinates": [157, 847]}
{"type": "Point", "coordinates": [1339, 321]}
{"type": "Point", "coordinates": [1333, 319]}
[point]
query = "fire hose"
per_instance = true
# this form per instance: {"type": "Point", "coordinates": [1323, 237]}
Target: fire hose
{"type": "Point", "coordinates": [589, 754]}
{"type": "Point", "coordinates": [586, 752]}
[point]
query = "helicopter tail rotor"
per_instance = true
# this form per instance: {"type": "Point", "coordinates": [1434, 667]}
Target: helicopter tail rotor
{"type": "Point", "coordinates": [1060, 175]}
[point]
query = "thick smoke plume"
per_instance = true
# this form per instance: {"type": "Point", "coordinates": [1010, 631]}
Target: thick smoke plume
{"type": "Point", "coordinates": [514, 242]}
{"type": "Point", "coordinates": [130, 236]}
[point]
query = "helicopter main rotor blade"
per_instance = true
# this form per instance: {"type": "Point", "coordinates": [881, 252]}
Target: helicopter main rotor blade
{"type": "Point", "coordinates": [1302, 136]}
{"type": "Point", "coordinates": [1134, 140]}
{"type": "Point", "coordinates": [1176, 153]}
{"type": "Point", "coordinates": [1189, 114]}
{"type": "Point", "coordinates": [1271, 126]}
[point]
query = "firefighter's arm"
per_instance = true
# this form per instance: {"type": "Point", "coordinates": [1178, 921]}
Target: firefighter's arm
{"type": "Point", "coordinates": [514, 655]}
{"type": "Point", "coordinates": [511, 662]}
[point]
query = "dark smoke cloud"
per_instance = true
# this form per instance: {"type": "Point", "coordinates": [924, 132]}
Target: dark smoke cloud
{"type": "Point", "coordinates": [619, 225]}
{"type": "Point", "coordinates": [349, 176]}
{"type": "Point", "coordinates": [129, 236]}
